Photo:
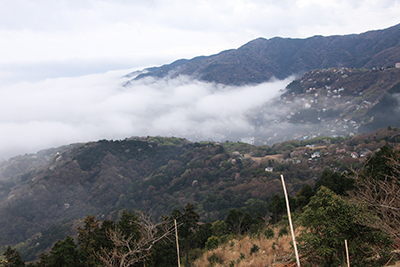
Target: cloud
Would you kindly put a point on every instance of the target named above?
(54, 112)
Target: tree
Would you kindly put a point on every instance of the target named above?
(378, 193)
(238, 222)
(304, 196)
(164, 253)
(258, 224)
(334, 181)
(254, 206)
(87, 240)
(188, 225)
(219, 228)
(380, 165)
(129, 225)
(212, 242)
(203, 233)
(64, 253)
(13, 258)
(329, 220)
(43, 262)
(129, 249)
(278, 207)
(102, 239)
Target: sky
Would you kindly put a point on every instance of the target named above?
(62, 62)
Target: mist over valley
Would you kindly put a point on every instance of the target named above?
(61, 111)
(233, 95)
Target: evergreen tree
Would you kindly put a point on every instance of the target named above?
(334, 181)
(258, 224)
(129, 225)
(277, 207)
(238, 222)
(203, 233)
(64, 254)
(164, 254)
(379, 166)
(329, 220)
(13, 258)
(188, 221)
(102, 240)
(87, 240)
(304, 196)
(219, 228)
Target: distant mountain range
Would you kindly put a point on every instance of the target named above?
(261, 59)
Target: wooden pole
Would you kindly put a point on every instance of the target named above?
(290, 221)
(177, 244)
(347, 253)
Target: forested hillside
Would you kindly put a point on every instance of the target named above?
(357, 206)
(159, 175)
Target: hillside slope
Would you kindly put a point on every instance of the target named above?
(158, 175)
(328, 102)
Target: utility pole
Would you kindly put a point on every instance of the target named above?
(177, 243)
(290, 222)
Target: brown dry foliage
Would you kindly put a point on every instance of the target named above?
(276, 251)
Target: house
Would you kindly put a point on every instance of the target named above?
(316, 154)
(269, 169)
(397, 65)
(354, 155)
(341, 151)
(365, 152)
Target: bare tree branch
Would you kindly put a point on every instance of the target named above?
(381, 198)
(126, 251)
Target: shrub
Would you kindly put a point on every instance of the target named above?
(269, 233)
(213, 242)
(213, 259)
(254, 249)
(283, 231)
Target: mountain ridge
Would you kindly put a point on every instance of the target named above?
(261, 59)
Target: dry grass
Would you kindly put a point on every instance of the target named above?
(272, 252)
(277, 158)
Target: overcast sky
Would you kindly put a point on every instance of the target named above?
(51, 49)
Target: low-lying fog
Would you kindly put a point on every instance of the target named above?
(61, 111)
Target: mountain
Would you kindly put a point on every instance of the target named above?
(261, 59)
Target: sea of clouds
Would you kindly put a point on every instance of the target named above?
(60, 111)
